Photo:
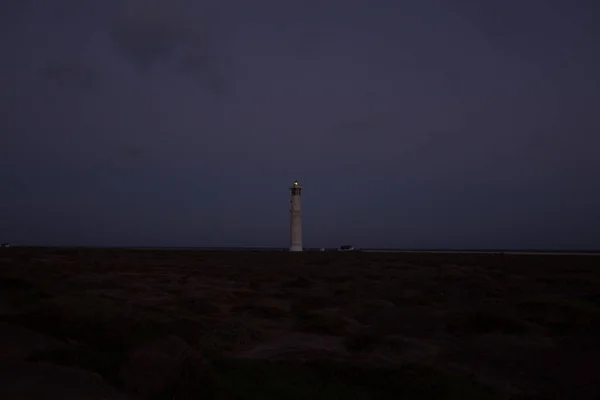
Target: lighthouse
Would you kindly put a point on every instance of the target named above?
(296, 218)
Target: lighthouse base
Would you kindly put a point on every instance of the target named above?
(296, 247)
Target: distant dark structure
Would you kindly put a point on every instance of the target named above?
(296, 218)
(346, 248)
(5, 245)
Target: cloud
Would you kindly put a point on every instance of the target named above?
(152, 32)
(11, 12)
(149, 32)
(553, 28)
(72, 76)
(134, 152)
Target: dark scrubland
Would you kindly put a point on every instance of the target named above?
(278, 325)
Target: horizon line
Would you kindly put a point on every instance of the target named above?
(311, 249)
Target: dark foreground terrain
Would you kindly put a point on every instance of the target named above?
(277, 325)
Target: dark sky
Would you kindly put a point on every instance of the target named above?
(411, 124)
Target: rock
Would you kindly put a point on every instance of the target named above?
(299, 346)
(21, 380)
(398, 350)
(5, 308)
(18, 343)
(160, 366)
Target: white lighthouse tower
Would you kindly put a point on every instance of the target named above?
(296, 218)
